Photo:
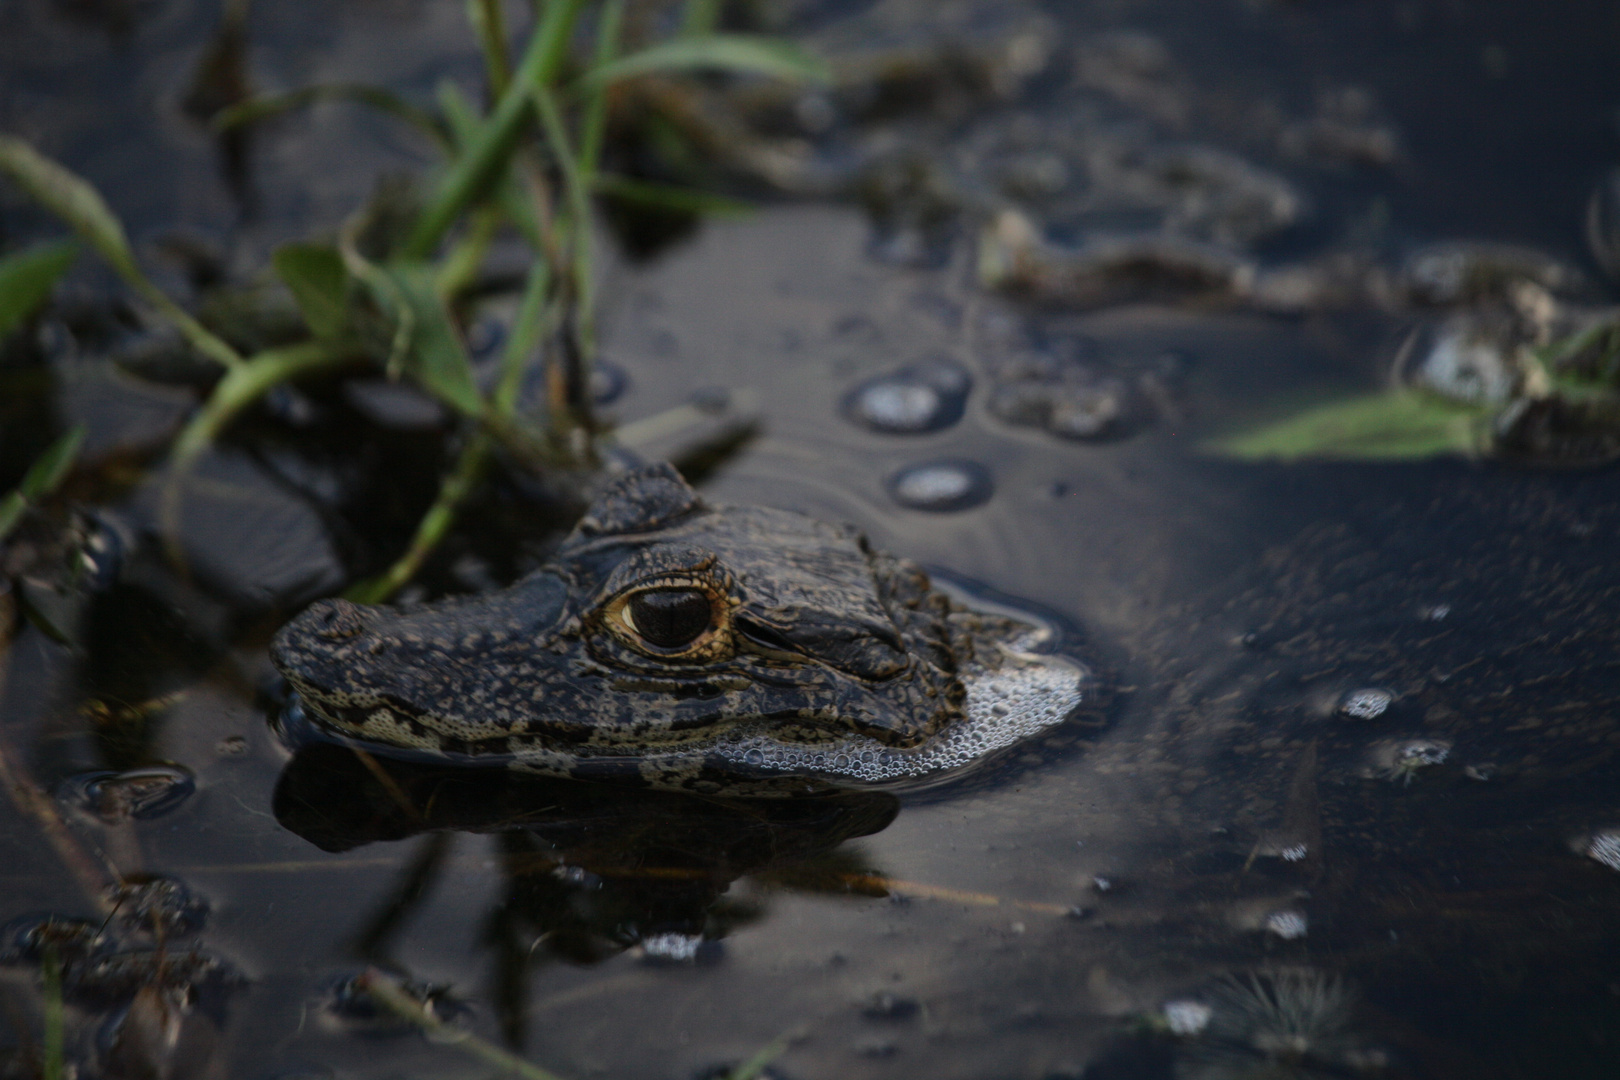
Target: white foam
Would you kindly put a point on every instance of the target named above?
(1028, 694)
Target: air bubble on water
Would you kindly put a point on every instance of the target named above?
(1366, 704)
(1287, 925)
(942, 486)
(919, 398)
(607, 383)
(1186, 1017)
(890, 406)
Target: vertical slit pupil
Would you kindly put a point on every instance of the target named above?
(670, 618)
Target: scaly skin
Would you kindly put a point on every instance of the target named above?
(812, 636)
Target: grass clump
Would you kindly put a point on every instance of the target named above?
(394, 289)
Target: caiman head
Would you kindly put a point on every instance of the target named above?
(661, 621)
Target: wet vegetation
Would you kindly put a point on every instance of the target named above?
(1135, 313)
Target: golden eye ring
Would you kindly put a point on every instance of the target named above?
(677, 618)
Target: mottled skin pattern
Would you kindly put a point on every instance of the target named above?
(811, 632)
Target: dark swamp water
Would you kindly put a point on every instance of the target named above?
(1236, 866)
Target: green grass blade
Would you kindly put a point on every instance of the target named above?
(27, 278)
(460, 114)
(265, 106)
(54, 1067)
(741, 53)
(314, 274)
(76, 202)
(489, 24)
(463, 121)
(578, 194)
(1397, 425)
(243, 386)
(489, 150)
(754, 1066)
(594, 129)
(12, 508)
(44, 476)
(527, 330)
(48, 471)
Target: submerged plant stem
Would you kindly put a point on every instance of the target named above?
(434, 526)
(35, 803)
(401, 1004)
(54, 1036)
(490, 24)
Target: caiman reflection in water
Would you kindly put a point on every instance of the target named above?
(590, 869)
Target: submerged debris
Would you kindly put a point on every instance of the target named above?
(135, 793)
(1015, 258)
(347, 1004)
(1284, 1023)
(1298, 835)
(161, 906)
(26, 940)
(1467, 272)
(1404, 759)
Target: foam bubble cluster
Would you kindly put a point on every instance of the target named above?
(1025, 695)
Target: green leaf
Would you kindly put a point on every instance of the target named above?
(44, 476)
(741, 53)
(27, 277)
(314, 274)
(255, 109)
(435, 355)
(1397, 425)
(73, 200)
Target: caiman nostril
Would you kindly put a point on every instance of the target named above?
(338, 620)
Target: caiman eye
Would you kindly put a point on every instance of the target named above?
(669, 618)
